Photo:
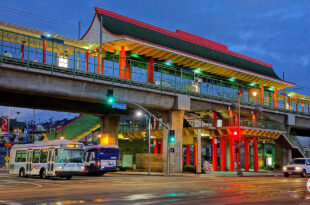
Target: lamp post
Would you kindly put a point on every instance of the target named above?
(139, 114)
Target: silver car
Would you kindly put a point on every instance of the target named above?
(298, 166)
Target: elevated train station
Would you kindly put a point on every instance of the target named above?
(203, 90)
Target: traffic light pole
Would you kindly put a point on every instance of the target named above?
(149, 128)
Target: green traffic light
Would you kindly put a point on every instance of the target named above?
(172, 139)
(110, 100)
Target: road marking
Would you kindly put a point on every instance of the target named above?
(35, 184)
(9, 203)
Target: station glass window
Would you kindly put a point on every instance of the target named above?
(36, 156)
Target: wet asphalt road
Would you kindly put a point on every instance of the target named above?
(144, 190)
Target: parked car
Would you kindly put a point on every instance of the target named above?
(298, 166)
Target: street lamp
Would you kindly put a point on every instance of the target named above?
(139, 113)
(62, 137)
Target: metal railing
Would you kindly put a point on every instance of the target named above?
(296, 143)
(27, 51)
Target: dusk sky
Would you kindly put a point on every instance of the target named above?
(274, 31)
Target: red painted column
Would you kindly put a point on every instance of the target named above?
(262, 95)
(297, 105)
(254, 120)
(161, 146)
(86, 61)
(98, 63)
(214, 120)
(302, 106)
(223, 154)
(231, 154)
(246, 155)
(128, 71)
(214, 154)
(122, 63)
(156, 146)
(22, 55)
(255, 154)
(44, 51)
(289, 103)
(86, 139)
(275, 98)
(231, 116)
(188, 154)
(150, 71)
(195, 157)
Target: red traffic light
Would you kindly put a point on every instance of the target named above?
(8, 145)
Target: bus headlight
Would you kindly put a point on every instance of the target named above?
(82, 168)
(298, 169)
(59, 168)
(284, 169)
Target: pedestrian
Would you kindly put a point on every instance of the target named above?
(207, 167)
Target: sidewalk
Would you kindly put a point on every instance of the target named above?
(215, 174)
(4, 170)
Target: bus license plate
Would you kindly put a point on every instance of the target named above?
(108, 163)
(290, 172)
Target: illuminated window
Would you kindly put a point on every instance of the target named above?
(63, 61)
(269, 161)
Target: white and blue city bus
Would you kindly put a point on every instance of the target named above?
(100, 159)
(55, 158)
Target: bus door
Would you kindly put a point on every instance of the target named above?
(28, 161)
(50, 162)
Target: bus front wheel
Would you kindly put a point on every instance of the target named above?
(43, 174)
(68, 177)
(22, 172)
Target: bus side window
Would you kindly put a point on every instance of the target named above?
(36, 156)
(23, 156)
(18, 156)
(43, 157)
(87, 155)
(29, 156)
(92, 158)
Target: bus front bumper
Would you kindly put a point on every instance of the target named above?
(69, 173)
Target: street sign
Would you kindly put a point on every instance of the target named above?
(119, 106)
(7, 158)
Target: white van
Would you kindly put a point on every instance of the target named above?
(298, 166)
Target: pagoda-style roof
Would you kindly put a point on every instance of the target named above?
(217, 58)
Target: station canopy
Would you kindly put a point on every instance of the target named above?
(180, 48)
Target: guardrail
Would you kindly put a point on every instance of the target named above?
(27, 51)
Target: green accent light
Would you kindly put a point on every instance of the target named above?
(232, 79)
(271, 88)
(197, 70)
(135, 55)
(252, 84)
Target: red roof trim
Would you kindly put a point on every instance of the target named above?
(206, 43)
(207, 59)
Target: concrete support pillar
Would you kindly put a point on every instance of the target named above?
(255, 154)
(86, 61)
(188, 155)
(223, 154)
(232, 154)
(198, 152)
(109, 130)
(246, 155)
(150, 71)
(275, 98)
(122, 63)
(44, 51)
(214, 153)
(289, 155)
(155, 146)
(175, 121)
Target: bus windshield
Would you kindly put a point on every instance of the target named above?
(69, 155)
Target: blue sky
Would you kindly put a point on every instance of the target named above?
(275, 31)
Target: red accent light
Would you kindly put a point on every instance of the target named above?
(98, 163)
(235, 133)
(8, 145)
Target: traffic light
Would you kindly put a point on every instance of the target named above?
(110, 98)
(171, 136)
